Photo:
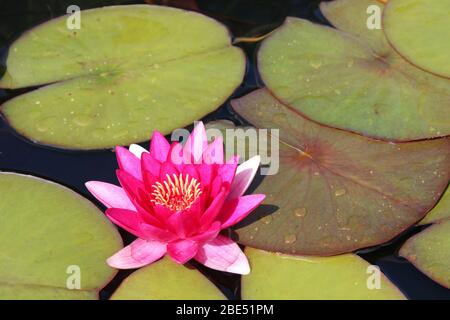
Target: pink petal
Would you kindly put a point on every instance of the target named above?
(216, 186)
(183, 250)
(214, 152)
(244, 177)
(137, 254)
(182, 224)
(167, 168)
(197, 208)
(148, 216)
(176, 155)
(141, 201)
(206, 174)
(223, 254)
(228, 170)
(196, 144)
(126, 219)
(128, 162)
(162, 212)
(110, 195)
(149, 180)
(237, 209)
(214, 208)
(131, 221)
(154, 233)
(159, 147)
(137, 150)
(150, 164)
(209, 234)
(190, 170)
(132, 186)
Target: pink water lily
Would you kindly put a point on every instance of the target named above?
(177, 199)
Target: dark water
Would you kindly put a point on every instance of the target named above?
(73, 169)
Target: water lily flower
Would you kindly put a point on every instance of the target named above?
(177, 199)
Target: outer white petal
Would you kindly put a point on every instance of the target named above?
(137, 150)
(245, 173)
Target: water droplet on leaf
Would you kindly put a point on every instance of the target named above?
(300, 212)
(340, 192)
(316, 64)
(291, 238)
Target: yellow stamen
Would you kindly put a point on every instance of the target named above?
(177, 192)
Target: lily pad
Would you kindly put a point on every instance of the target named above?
(351, 17)
(353, 86)
(311, 278)
(429, 251)
(336, 191)
(128, 71)
(420, 31)
(166, 280)
(48, 236)
(441, 211)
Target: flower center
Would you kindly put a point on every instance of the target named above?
(177, 192)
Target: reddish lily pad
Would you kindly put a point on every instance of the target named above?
(353, 85)
(51, 237)
(440, 212)
(429, 251)
(326, 278)
(166, 280)
(420, 31)
(336, 191)
(128, 71)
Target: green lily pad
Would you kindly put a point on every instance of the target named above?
(429, 251)
(352, 86)
(420, 31)
(39, 292)
(326, 278)
(166, 280)
(48, 236)
(351, 16)
(440, 212)
(336, 191)
(128, 71)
